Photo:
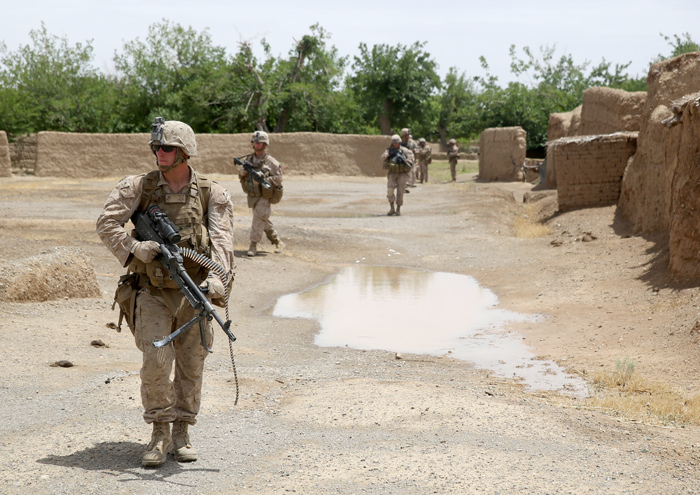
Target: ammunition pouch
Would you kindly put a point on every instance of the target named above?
(276, 196)
(125, 298)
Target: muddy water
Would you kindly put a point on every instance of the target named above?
(435, 313)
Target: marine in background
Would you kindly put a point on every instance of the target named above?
(453, 157)
(423, 154)
(398, 162)
(260, 199)
(408, 142)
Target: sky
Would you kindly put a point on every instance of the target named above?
(456, 33)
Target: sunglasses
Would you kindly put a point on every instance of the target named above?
(166, 149)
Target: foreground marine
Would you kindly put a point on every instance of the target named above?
(202, 211)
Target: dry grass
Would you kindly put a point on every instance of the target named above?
(527, 225)
(626, 394)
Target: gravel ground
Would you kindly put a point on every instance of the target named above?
(316, 419)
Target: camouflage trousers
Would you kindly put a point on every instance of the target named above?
(423, 172)
(411, 176)
(453, 169)
(261, 219)
(396, 181)
(158, 314)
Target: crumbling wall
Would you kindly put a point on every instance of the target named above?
(55, 274)
(304, 153)
(607, 110)
(646, 195)
(683, 155)
(501, 153)
(23, 154)
(564, 124)
(5, 162)
(590, 168)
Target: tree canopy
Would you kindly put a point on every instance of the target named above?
(179, 73)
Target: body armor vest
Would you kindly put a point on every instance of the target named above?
(188, 211)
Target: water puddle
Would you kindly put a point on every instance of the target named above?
(435, 313)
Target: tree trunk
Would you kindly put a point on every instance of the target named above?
(385, 118)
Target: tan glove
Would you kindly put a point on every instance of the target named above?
(215, 290)
(146, 251)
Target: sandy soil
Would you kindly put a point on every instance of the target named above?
(338, 420)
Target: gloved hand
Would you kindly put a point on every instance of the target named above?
(215, 289)
(146, 251)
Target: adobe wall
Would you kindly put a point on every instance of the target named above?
(607, 110)
(590, 168)
(564, 124)
(107, 155)
(646, 196)
(683, 156)
(501, 152)
(5, 162)
(23, 154)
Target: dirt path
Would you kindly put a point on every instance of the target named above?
(338, 420)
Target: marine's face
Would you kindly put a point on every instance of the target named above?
(258, 147)
(396, 145)
(166, 159)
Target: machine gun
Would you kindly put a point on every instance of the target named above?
(154, 225)
(256, 175)
(397, 156)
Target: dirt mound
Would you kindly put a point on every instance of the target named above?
(55, 274)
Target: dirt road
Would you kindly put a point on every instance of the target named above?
(337, 420)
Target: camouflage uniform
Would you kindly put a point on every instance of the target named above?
(424, 158)
(408, 143)
(203, 213)
(397, 176)
(160, 310)
(261, 199)
(452, 156)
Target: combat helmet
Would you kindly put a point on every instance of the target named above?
(405, 131)
(451, 141)
(395, 138)
(421, 141)
(260, 137)
(173, 133)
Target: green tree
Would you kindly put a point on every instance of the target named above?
(307, 85)
(679, 45)
(176, 73)
(51, 85)
(551, 85)
(394, 83)
(457, 92)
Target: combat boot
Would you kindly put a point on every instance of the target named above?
(392, 211)
(279, 246)
(182, 448)
(161, 441)
(398, 211)
(252, 249)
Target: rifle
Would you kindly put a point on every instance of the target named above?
(397, 156)
(256, 175)
(154, 225)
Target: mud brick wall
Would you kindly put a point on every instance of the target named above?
(23, 154)
(77, 155)
(590, 170)
(501, 152)
(5, 162)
